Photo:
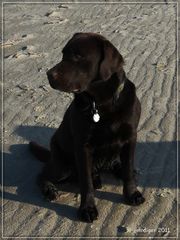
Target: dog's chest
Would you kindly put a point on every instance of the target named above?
(110, 132)
(107, 139)
(103, 134)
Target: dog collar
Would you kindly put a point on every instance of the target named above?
(96, 116)
(120, 88)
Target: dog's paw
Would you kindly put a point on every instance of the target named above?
(88, 214)
(135, 199)
(50, 192)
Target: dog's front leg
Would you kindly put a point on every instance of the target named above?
(132, 195)
(87, 211)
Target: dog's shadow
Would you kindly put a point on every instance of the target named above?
(20, 171)
(21, 168)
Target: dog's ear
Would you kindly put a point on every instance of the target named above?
(112, 61)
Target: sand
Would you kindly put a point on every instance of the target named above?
(34, 35)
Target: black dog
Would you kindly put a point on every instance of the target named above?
(99, 125)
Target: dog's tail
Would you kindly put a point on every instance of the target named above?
(41, 153)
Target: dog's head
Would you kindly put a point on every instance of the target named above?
(87, 58)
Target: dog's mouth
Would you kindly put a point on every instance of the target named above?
(65, 89)
(65, 86)
(76, 90)
(69, 90)
(55, 85)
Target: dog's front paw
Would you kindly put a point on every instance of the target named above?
(88, 214)
(135, 198)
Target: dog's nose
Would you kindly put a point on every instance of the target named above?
(50, 74)
(52, 77)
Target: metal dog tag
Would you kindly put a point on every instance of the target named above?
(95, 113)
(96, 117)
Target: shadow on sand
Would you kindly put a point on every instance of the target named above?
(156, 163)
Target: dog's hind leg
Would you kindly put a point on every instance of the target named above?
(55, 171)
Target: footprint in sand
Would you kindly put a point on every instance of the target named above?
(26, 51)
(55, 15)
(17, 39)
